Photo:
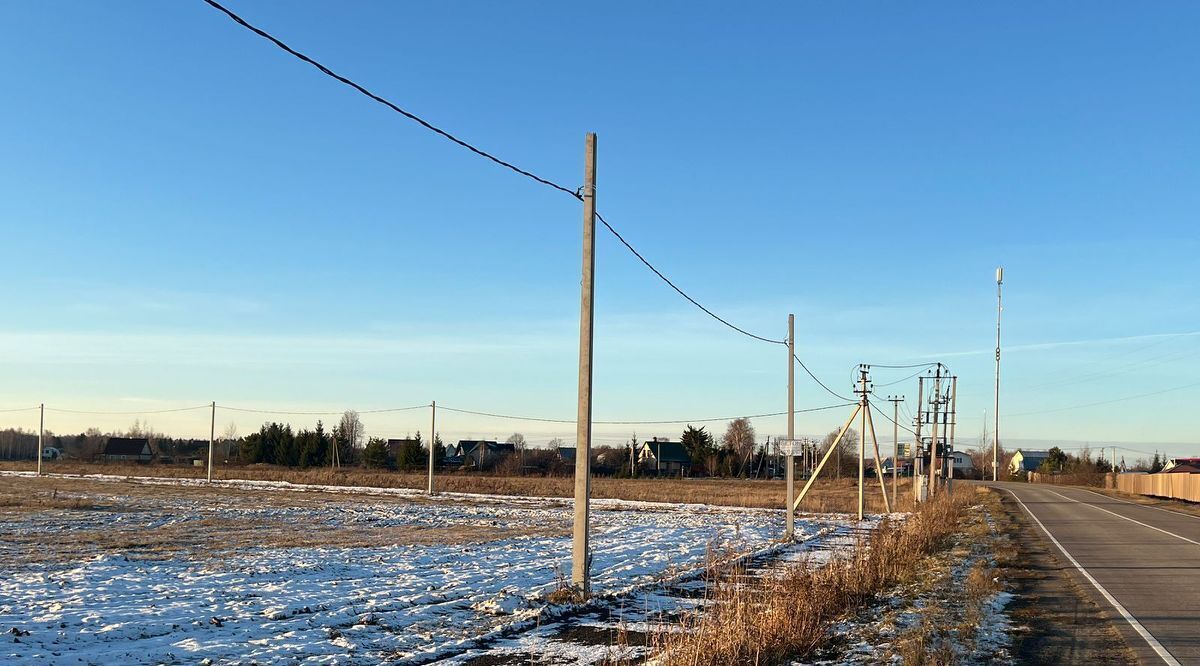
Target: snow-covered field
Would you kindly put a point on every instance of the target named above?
(392, 602)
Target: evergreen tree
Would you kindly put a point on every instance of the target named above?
(699, 444)
(412, 456)
(376, 454)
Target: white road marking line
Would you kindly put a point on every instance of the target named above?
(1137, 626)
(1100, 508)
(1147, 506)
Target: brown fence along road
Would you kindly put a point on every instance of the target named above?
(1179, 486)
(1174, 486)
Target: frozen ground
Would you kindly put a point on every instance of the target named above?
(407, 600)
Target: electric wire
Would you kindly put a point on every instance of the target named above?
(411, 116)
(478, 151)
(19, 409)
(821, 383)
(884, 415)
(680, 291)
(659, 422)
(127, 413)
(1104, 402)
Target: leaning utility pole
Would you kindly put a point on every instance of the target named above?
(432, 443)
(996, 405)
(212, 438)
(789, 529)
(41, 435)
(580, 549)
(895, 400)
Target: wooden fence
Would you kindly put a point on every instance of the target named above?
(1175, 486)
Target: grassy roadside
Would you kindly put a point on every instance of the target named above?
(828, 495)
(777, 619)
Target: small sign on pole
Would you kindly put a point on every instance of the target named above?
(791, 447)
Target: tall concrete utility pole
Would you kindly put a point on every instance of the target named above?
(791, 429)
(952, 416)
(919, 444)
(432, 443)
(996, 405)
(862, 440)
(580, 548)
(934, 459)
(212, 438)
(895, 400)
(41, 436)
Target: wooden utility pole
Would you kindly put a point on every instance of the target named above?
(580, 548)
(212, 438)
(432, 443)
(789, 529)
(41, 436)
(895, 400)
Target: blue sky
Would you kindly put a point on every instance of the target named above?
(191, 215)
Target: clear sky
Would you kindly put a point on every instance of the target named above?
(190, 215)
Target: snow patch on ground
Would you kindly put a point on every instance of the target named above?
(310, 605)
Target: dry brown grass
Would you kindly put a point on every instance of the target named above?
(774, 620)
(827, 496)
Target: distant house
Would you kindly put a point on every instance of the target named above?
(1182, 466)
(664, 457)
(963, 463)
(51, 453)
(566, 454)
(127, 449)
(394, 445)
(906, 466)
(1027, 461)
(477, 452)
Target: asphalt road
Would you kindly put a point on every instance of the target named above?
(1142, 561)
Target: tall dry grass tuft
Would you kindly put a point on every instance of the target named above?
(776, 619)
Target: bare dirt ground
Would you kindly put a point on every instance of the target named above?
(95, 517)
(1055, 621)
(827, 496)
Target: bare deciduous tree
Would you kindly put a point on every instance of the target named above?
(351, 428)
(739, 438)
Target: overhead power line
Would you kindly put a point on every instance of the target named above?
(20, 409)
(478, 151)
(319, 413)
(680, 291)
(1106, 402)
(884, 415)
(661, 422)
(128, 412)
(821, 383)
(411, 116)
